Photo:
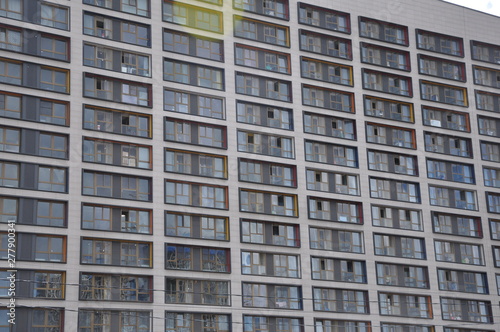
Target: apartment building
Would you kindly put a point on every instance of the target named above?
(249, 165)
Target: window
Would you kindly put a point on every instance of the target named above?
(448, 94)
(488, 126)
(384, 31)
(388, 109)
(490, 151)
(447, 144)
(52, 179)
(113, 287)
(196, 194)
(101, 319)
(466, 310)
(272, 145)
(191, 291)
(116, 29)
(193, 74)
(442, 68)
(487, 101)
(10, 39)
(270, 264)
(41, 319)
(402, 275)
(267, 173)
(116, 186)
(54, 16)
(405, 305)
(196, 226)
(208, 259)
(462, 281)
(399, 246)
(335, 210)
(262, 59)
(190, 322)
(458, 252)
(274, 8)
(111, 89)
(485, 52)
(450, 171)
(329, 99)
(452, 197)
(276, 203)
(264, 87)
(198, 133)
(8, 209)
(272, 296)
(192, 16)
(12, 9)
(331, 154)
(11, 72)
(436, 42)
(486, 76)
(447, 119)
(264, 115)
(193, 103)
(116, 153)
(35, 284)
(333, 46)
(50, 213)
(118, 122)
(326, 71)
(388, 83)
(137, 7)
(385, 57)
(348, 325)
(493, 201)
(266, 323)
(389, 135)
(116, 218)
(193, 45)
(336, 240)
(340, 300)
(329, 126)
(261, 31)
(394, 190)
(456, 224)
(201, 164)
(112, 252)
(332, 182)
(262, 232)
(10, 105)
(331, 269)
(107, 58)
(400, 218)
(324, 18)
(10, 139)
(392, 162)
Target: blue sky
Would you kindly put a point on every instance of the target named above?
(488, 6)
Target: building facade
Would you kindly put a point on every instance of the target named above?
(249, 165)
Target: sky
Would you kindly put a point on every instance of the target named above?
(488, 6)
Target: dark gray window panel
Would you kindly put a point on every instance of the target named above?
(107, 27)
(436, 42)
(463, 281)
(456, 224)
(335, 269)
(31, 108)
(399, 246)
(193, 45)
(265, 172)
(485, 52)
(275, 8)
(446, 119)
(325, 44)
(31, 211)
(447, 144)
(139, 7)
(402, 275)
(186, 102)
(392, 162)
(35, 43)
(385, 57)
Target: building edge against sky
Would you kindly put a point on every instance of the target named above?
(250, 165)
